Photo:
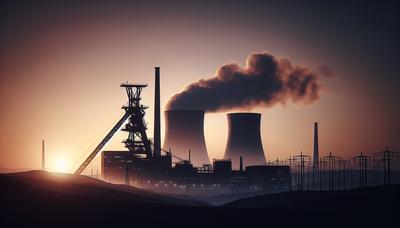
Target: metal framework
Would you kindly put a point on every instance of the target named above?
(341, 174)
(385, 159)
(338, 174)
(330, 163)
(362, 162)
(137, 141)
(276, 162)
(290, 160)
(101, 144)
(302, 164)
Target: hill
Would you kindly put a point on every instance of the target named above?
(41, 199)
(374, 206)
(40, 182)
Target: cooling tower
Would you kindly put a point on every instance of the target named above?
(183, 131)
(244, 139)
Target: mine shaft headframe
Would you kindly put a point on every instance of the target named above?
(133, 108)
(137, 141)
(134, 95)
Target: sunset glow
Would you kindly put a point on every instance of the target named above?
(193, 113)
(60, 165)
(70, 64)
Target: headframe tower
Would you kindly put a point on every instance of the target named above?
(137, 141)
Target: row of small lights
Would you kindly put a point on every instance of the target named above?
(193, 185)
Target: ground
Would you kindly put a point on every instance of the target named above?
(39, 199)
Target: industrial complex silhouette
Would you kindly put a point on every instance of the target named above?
(182, 165)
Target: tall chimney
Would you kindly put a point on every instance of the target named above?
(316, 155)
(241, 164)
(244, 139)
(43, 157)
(157, 125)
(184, 131)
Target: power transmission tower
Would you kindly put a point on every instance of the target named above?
(331, 162)
(302, 163)
(362, 162)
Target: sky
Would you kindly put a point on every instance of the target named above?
(61, 64)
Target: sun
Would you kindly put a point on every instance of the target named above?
(61, 165)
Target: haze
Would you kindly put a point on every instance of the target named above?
(61, 64)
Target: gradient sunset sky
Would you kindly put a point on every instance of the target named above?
(61, 64)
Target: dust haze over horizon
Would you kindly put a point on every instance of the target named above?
(61, 63)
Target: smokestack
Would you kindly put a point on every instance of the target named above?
(244, 138)
(157, 125)
(316, 154)
(241, 164)
(185, 131)
(43, 157)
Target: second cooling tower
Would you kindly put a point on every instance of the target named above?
(184, 131)
(244, 139)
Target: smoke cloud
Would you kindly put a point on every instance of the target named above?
(265, 81)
